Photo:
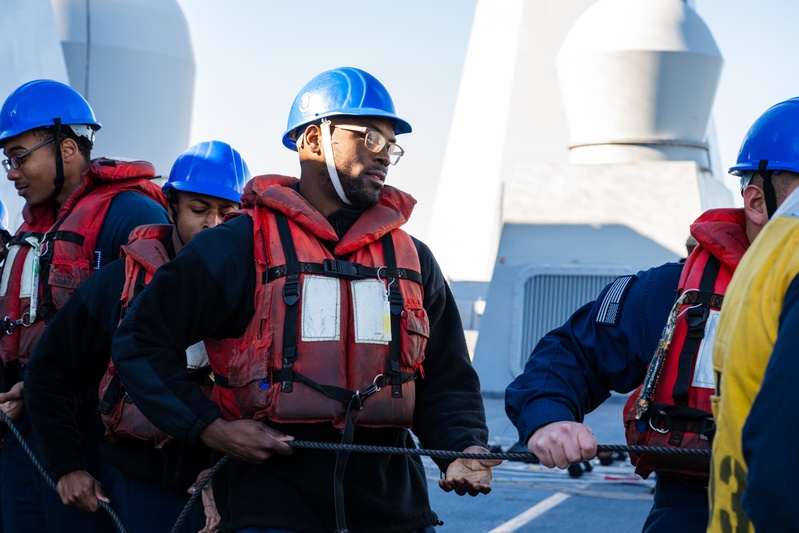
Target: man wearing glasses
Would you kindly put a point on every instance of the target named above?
(331, 324)
(77, 214)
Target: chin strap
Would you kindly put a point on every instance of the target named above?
(327, 146)
(59, 165)
(768, 188)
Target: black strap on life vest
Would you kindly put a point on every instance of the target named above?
(396, 304)
(19, 238)
(343, 269)
(291, 297)
(8, 324)
(671, 418)
(696, 317)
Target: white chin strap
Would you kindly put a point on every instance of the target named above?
(327, 146)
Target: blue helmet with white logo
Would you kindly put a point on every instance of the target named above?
(39, 103)
(213, 168)
(341, 91)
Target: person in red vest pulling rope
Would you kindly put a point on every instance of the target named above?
(329, 324)
(639, 334)
(149, 473)
(78, 213)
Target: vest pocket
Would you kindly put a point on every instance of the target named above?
(248, 373)
(65, 277)
(415, 332)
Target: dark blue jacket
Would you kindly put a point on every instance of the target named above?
(605, 346)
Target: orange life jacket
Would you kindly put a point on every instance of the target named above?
(672, 407)
(318, 342)
(67, 241)
(144, 254)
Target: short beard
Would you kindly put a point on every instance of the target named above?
(359, 196)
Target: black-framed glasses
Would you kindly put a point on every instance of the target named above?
(375, 142)
(16, 160)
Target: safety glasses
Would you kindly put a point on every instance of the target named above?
(16, 160)
(375, 142)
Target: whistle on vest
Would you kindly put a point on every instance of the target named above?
(386, 316)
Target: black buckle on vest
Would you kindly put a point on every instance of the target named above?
(291, 290)
(341, 269)
(287, 375)
(396, 302)
(695, 318)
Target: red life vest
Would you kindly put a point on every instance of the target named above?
(68, 240)
(144, 254)
(318, 340)
(672, 407)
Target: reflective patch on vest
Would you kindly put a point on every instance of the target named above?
(196, 356)
(321, 309)
(703, 370)
(27, 271)
(609, 312)
(368, 301)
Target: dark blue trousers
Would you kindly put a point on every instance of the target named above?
(145, 508)
(680, 505)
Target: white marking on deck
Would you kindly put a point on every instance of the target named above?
(531, 514)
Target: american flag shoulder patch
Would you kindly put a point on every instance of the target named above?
(609, 312)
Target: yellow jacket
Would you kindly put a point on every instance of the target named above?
(745, 337)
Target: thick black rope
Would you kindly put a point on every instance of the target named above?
(198, 492)
(444, 454)
(509, 456)
(46, 476)
(357, 448)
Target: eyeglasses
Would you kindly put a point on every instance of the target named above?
(375, 142)
(16, 160)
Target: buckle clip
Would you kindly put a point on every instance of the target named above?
(341, 269)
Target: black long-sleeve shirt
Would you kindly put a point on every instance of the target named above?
(61, 391)
(207, 291)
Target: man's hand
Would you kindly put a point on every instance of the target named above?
(79, 489)
(212, 517)
(472, 476)
(11, 401)
(562, 443)
(246, 440)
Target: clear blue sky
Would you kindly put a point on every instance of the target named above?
(253, 56)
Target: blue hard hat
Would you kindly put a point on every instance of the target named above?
(773, 138)
(37, 103)
(213, 168)
(341, 91)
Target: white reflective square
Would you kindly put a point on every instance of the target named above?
(369, 308)
(25, 287)
(703, 370)
(321, 309)
(196, 356)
